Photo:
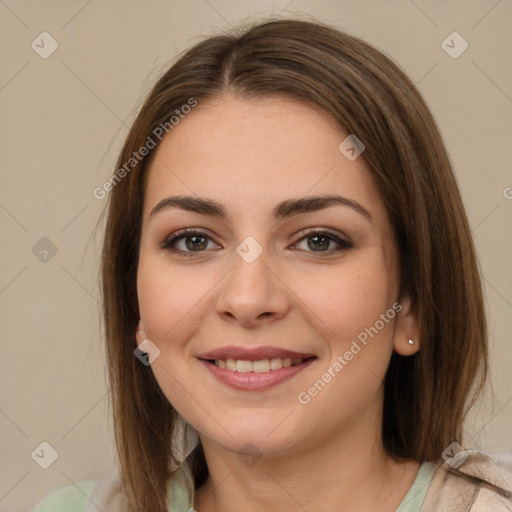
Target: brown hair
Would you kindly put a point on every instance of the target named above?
(426, 395)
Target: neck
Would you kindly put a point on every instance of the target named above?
(351, 470)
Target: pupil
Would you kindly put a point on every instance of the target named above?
(195, 245)
(322, 246)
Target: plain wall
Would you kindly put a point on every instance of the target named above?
(63, 120)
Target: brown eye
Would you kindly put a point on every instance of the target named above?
(187, 242)
(195, 243)
(324, 241)
(319, 242)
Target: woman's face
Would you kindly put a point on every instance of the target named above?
(267, 277)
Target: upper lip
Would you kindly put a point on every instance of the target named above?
(253, 354)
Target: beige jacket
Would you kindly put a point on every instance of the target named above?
(481, 483)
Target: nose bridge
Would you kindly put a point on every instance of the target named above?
(249, 275)
(251, 289)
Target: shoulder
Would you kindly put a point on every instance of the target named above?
(104, 493)
(99, 493)
(66, 499)
(471, 481)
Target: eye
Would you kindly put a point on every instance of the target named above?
(190, 241)
(321, 241)
(187, 241)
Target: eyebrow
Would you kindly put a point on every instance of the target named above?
(284, 209)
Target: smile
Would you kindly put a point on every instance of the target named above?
(254, 369)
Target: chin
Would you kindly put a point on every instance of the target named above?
(266, 434)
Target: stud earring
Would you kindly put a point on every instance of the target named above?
(411, 342)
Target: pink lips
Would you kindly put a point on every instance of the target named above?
(249, 381)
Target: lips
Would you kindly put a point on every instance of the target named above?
(254, 369)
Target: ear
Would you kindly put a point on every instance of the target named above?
(140, 335)
(407, 328)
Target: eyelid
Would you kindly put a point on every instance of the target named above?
(323, 231)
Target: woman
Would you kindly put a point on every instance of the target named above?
(288, 273)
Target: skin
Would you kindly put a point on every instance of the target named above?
(249, 155)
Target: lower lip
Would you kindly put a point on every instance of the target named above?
(255, 381)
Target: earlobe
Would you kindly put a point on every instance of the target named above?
(140, 334)
(407, 335)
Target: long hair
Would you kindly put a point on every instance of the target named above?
(427, 395)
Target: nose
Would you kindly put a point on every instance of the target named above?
(252, 294)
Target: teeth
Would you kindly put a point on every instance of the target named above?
(243, 366)
(261, 366)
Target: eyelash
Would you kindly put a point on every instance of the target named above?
(168, 243)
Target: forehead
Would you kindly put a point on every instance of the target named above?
(250, 154)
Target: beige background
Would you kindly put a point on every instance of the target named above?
(63, 120)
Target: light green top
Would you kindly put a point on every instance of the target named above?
(414, 498)
(76, 498)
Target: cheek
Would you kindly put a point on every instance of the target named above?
(345, 299)
(346, 305)
(170, 304)
(170, 300)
